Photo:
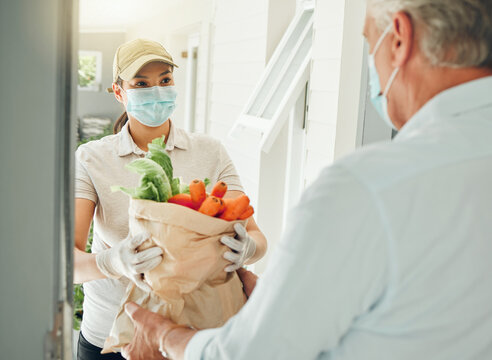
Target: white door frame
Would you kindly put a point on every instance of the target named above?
(296, 153)
(191, 82)
(352, 93)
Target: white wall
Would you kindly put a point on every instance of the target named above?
(171, 27)
(244, 36)
(100, 103)
(238, 57)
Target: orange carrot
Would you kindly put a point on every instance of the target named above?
(223, 205)
(198, 193)
(219, 189)
(182, 199)
(235, 208)
(247, 213)
(210, 206)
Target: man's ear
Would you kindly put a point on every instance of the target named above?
(117, 93)
(403, 38)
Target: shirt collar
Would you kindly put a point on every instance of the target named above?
(450, 103)
(177, 138)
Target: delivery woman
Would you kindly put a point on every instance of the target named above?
(143, 82)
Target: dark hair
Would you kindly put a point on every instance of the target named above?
(121, 121)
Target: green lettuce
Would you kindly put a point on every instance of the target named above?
(157, 153)
(184, 189)
(157, 182)
(154, 183)
(146, 191)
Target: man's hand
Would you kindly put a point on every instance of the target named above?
(248, 279)
(149, 328)
(151, 336)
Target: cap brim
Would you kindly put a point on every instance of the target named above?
(132, 70)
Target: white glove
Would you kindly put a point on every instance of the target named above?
(243, 246)
(124, 260)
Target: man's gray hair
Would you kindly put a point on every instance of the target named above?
(456, 33)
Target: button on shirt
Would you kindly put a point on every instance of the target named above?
(101, 164)
(389, 253)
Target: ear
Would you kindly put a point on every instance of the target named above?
(118, 93)
(403, 37)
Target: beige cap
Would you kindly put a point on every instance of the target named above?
(133, 55)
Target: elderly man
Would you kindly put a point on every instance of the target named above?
(389, 254)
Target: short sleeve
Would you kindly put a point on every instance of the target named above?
(84, 187)
(227, 171)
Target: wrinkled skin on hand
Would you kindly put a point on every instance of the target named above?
(149, 329)
(152, 328)
(248, 279)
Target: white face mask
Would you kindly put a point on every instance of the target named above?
(151, 106)
(380, 101)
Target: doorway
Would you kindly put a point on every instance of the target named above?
(191, 82)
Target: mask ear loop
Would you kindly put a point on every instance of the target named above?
(395, 72)
(390, 81)
(381, 38)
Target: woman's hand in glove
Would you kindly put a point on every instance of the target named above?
(124, 260)
(243, 247)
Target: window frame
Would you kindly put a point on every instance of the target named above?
(96, 85)
(261, 132)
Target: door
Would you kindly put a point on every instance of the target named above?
(191, 82)
(36, 150)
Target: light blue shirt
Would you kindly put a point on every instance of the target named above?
(388, 256)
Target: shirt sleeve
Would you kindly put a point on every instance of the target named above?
(328, 270)
(84, 187)
(227, 171)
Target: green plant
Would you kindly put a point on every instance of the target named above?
(108, 130)
(87, 70)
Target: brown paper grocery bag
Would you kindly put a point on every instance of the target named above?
(190, 285)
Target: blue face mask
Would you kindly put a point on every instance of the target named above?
(380, 101)
(151, 106)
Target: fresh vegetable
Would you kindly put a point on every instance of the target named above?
(183, 188)
(198, 193)
(182, 199)
(235, 208)
(219, 189)
(210, 206)
(154, 184)
(175, 186)
(247, 213)
(222, 207)
(158, 154)
(158, 184)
